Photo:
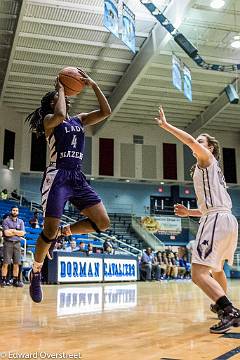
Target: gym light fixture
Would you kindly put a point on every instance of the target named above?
(217, 4)
(236, 42)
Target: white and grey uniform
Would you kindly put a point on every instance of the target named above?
(217, 235)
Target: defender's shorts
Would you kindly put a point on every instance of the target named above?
(62, 185)
(216, 240)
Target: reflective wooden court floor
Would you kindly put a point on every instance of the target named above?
(132, 321)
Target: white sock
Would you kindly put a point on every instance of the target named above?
(36, 266)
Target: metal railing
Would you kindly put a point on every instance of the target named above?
(146, 236)
(112, 238)
(24, 248)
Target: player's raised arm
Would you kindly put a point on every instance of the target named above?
(60, 110)
(203, 155)
(103, 112)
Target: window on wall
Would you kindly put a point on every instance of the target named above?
(9, 146)
(229, 165)
(138, 139)
(106, 156)
(38, 153)
(170, 161)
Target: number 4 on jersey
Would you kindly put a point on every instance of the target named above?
(74, 141)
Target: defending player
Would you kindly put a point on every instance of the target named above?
(218, 232)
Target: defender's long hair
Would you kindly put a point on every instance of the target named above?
(35, 119)
(212, 141)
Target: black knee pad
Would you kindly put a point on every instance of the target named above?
(46, 239)
(94, 226)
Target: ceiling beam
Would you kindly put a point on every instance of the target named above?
(99, 10)
(51, 78)
(169, 79)
(59, 67)
(71, 55)
(74, 41)
(74, 25)
(156, 40)
(161, 89)
(214, 109)
(153, 98)
(43, 87)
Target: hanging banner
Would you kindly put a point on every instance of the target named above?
(110, 18)
(169, 225)
(128, 27)
(176, 72)
(187, 81)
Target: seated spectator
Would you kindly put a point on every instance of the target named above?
(99, 251)
(4, 194)
(107, 247)
(82, 247)
(183, 262)
(181, 269)
(73, 246)
(156, 270)
(146, 265)
(173, 270)
(162, 265)
(166, 262)
(89, 249)
(34, 221)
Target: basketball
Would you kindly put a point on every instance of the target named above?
(71, 80)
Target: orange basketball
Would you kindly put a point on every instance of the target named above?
(71, 80)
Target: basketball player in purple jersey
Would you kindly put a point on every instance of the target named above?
(63, 179)
(218, 231)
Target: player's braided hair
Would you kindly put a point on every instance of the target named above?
(35, 119)
(212, 141)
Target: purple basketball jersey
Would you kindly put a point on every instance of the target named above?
(66, 144)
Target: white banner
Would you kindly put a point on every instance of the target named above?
(128, 27)
(187, 81)
(120, 269)
(79, 269)
(176, 72)
(110, 18)
(162, 224)
(169, 225)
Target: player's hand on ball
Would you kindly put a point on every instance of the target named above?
(58, 85)
(161, 119)
(180, 210)
(85, 78)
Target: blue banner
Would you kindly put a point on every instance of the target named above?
(110, 18)
(187, 81)
(128, 28)
(176, 72)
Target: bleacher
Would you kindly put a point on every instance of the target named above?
(31, 235)
(120, 226)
